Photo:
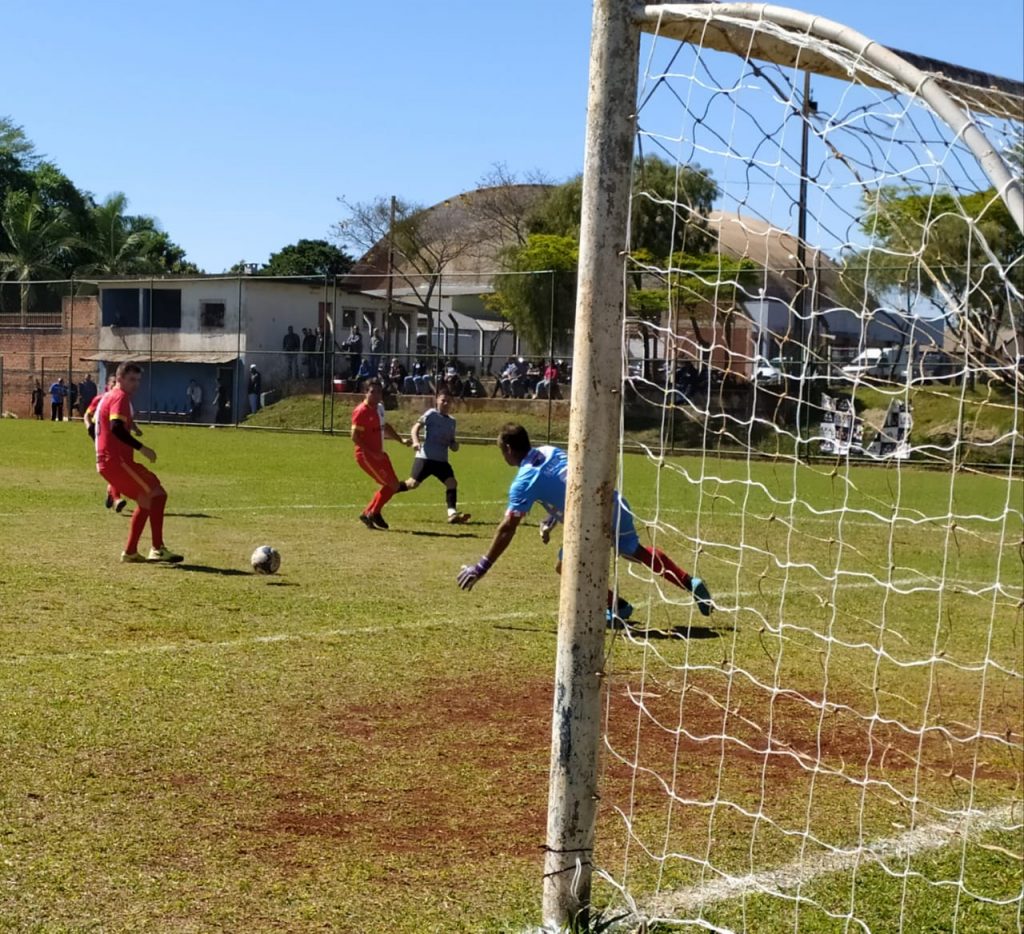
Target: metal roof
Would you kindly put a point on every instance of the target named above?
(157, 356)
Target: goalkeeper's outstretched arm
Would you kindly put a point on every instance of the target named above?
(503, 536)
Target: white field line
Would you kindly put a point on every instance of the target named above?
(905, 522)
(270, 639)
(887, 852)
(274, 638)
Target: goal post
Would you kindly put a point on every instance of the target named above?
(593, 448)
(840, 716)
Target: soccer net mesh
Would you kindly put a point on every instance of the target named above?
(836, 337)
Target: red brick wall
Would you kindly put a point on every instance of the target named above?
(46, 353)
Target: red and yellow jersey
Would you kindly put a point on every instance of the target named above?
(90, 412)
(370, 419)
(114, 406)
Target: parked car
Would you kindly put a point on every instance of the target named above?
(767, 373)
(864, 363)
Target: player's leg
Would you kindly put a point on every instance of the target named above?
(618, 608)
(628, 545)
(143, 486)
(379, 466)
(451, 498)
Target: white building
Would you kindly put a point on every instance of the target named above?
(212, 329)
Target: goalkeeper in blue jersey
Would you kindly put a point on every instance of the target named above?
(433, 436)
(541, 478)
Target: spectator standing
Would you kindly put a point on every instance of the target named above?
(318, 358)
(194, 400)
(376, 349)
(72, 399)
(290, 345)
(222, 404)
(253, 389)
(37, 401)
(353, 346)
(86, 392)
(308, 351)
(58, 392)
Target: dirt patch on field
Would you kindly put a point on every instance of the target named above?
(460, 770)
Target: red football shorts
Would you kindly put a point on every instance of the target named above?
(378, 466)
(128, 478)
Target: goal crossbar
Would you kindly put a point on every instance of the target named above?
(703, 24)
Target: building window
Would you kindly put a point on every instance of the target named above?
(120, 308)
(165, 305)
(211, 314)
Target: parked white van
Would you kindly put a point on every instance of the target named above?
(864, 362)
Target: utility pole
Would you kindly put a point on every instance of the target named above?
(391, 277)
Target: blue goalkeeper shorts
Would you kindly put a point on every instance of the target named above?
(627, 541)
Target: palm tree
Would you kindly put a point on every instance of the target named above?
(117, 244)
(38, 239)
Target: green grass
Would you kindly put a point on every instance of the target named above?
(356, 745)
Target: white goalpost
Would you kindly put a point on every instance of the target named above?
(799, 352)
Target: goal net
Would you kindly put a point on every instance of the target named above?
(822, 347)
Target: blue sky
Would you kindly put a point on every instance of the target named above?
(239, 125)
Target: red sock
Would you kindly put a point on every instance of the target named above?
(383, 495)
(138, 523)
(156, 520)
(374, 505)
(662, 564)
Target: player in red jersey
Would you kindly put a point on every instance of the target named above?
(369, 430)
(115, 461)
(89, 417)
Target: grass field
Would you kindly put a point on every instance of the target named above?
(356, 745)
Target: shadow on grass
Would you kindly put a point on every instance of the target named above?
(128, 513)
(676, 632)
(207, 569)
(425, 534)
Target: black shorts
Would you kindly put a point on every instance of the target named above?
(423, 468)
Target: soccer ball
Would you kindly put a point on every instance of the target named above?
(265, 560)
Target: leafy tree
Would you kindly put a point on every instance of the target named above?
(939, 245)
(115, 246)
(120, 244)
(710, 281)
(669, 210)
(308, 258)
(425, 240)
(541, 308)
(38, 241)
(670, 207)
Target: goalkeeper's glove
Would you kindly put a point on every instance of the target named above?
(471, 573)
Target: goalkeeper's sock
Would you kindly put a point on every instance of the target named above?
(662, 564)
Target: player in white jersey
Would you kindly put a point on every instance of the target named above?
(541, 478)
(433, 436)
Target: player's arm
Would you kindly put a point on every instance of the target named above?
(389, 432)
(119, 430)
(454, 443)
(415, 433)
(550, 521)
(503, 536)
